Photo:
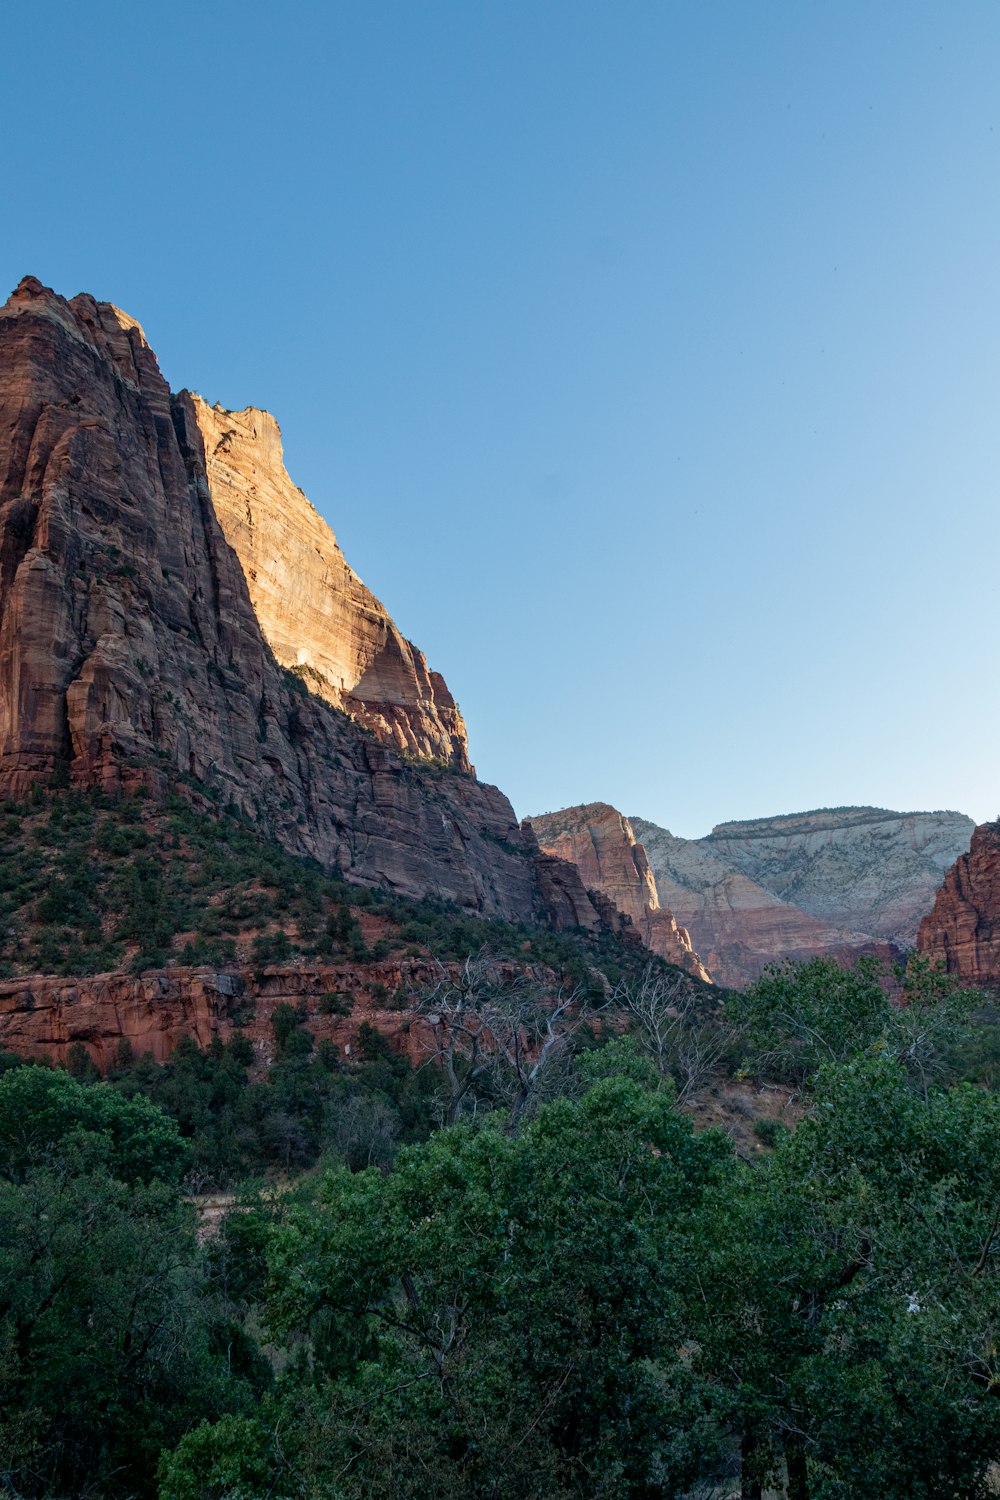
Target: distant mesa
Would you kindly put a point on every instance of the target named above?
(840, 882)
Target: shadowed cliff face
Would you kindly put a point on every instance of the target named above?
(962, 931)
(130, 651)
(599, 841)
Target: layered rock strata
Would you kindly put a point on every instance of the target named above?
(130, 651)
(838, 883)
(42, 1017)
(317, 616)
(962, 930)
(854, 867)
(737, 925)
(600, 842)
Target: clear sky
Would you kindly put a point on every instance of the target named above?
(643, 356)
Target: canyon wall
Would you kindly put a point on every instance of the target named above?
(42, 1017)
(962, 931)
(855, 867)
(840, 883)
(130, 653)
(600, 842)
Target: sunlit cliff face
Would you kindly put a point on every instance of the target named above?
(599, 841)
(318, 617)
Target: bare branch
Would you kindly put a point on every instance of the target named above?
(497, 1038)
(671, 1026)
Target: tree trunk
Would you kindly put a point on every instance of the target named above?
(750, 1487)
(795, 1463)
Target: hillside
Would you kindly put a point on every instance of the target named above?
(142, 921)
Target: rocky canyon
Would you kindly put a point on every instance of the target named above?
(840, 882)
(173, 609)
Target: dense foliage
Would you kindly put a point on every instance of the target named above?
(112, 1340)
(310, 1103)
(492, 1317)
(570, 1293)
(609, 1304)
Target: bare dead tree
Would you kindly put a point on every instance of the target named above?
(363, 1130)
(498, 1038)
(669, 1020)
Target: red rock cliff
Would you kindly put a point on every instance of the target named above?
(962, 930)
(130, 651)
(41, 1016)
(599, 841)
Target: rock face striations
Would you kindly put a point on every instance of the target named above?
(738, 926)
(317, 616)
(130, 651)
(43, 1016)
(962, 931)
(599, 841)
(838, 882)
(855, 867)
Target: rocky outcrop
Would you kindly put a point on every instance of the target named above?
(566, 897)
(317, 616)
(42, 1017)
(130, 651)
(839, 883)
(599, 841)
(962, 931)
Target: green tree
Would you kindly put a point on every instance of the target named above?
(45, 1115)
(798, 1017)
(110, 1342)
(496, 1318)
(851, 1285)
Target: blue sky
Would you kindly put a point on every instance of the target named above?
(644, 357)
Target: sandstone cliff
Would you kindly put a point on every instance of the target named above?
(130, 651)
(317, 616)
(835, 882)
(962, 931)
(41, 1017)
(599, 841)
